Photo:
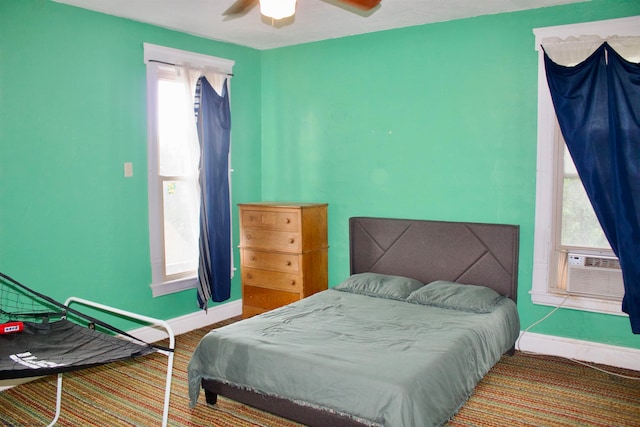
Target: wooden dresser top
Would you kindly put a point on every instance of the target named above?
(282, 204)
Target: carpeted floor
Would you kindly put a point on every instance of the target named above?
(522, 390)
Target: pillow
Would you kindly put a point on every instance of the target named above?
(380, 285)
(456, 296)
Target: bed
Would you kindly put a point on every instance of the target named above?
(428, 309)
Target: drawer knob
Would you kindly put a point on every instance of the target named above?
(249, 276)
(293, 282)
(248, 236)
(252, 258)
(287, 220)
(288, 262)
(291, 240)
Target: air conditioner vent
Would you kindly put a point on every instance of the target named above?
(595, 276)
(602, 262)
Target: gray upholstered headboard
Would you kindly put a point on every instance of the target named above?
(469, 253)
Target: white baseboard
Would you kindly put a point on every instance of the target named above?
(585, 351)
(191, 321)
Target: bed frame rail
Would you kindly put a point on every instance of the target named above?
(307, 415)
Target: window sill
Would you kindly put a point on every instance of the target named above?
(577, 303)
(166, 288)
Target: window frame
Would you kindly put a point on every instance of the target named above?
(155, 57)
(545, 235)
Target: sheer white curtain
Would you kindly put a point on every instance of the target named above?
(178, 163)
(179, 155)
(574, 50)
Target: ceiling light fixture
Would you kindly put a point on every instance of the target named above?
(278, 9)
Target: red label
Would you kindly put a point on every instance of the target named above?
(11, 327)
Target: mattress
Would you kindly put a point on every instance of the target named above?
(383, 361)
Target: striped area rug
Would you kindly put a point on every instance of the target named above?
(521, 390)
(533, 390)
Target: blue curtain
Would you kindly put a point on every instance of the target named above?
(214, 131)
(597, 103)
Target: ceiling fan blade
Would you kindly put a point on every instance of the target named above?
(240, 7)
(362, 4)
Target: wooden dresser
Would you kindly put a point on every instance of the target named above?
(283, 253)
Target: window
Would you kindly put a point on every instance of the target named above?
(585, 263)
(173, 157)
(568, 236)
(579, 228)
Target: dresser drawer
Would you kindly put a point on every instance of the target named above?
(272, 279)
(283, 221)
(273, 240)
(266, 299)
(288, 263)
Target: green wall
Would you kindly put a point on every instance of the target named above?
(430, 122)
(72, 111)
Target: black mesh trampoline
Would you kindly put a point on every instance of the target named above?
(40, 336)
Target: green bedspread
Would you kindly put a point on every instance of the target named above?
(390, 362)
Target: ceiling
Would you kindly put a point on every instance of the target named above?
(314, 19)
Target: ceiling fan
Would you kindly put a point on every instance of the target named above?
(279, 9)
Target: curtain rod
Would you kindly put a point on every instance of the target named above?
(178, 65)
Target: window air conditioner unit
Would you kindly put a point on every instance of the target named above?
(595, 276)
